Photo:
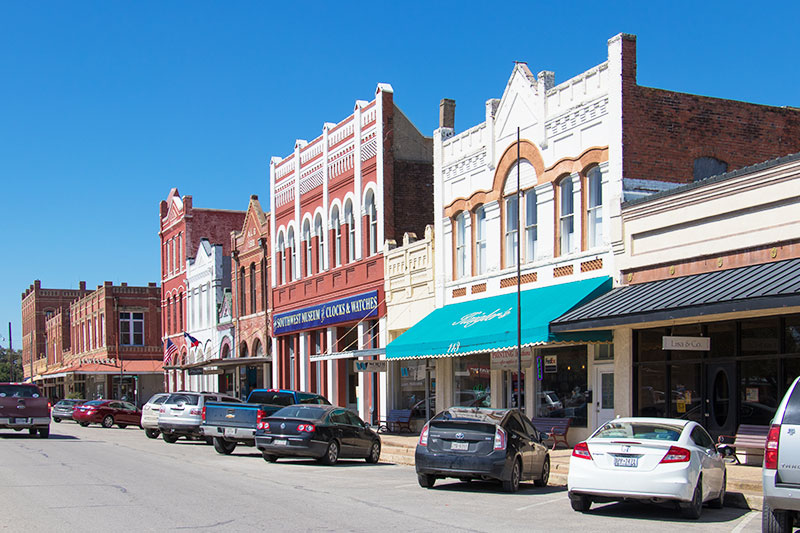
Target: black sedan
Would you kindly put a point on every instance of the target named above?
(481, 443)
(324, 432)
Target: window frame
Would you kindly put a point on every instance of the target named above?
(593, 213)
(460, 257)
(510, 250)
(131, 319)
(561, 218)
(479, 228)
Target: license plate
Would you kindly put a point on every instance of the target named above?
(230, 432)
(20, 421)
(631, 462)
(459, 445)
(280, 442)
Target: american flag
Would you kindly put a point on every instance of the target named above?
(169, 351)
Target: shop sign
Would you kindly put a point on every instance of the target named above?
(470, 319)
(370, 366)
(478, 371)
(195, 371)
(550, 364)
(211, 371)
(507, 359)
(334, 312)
(695, 344)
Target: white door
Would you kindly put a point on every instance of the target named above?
(603, 394)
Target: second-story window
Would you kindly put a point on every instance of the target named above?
(566, 216)
(531, 226)
(372, 223)
(461, 245)
(252, 287)
(131, 328)
(512, 230)
(594, 209)
(292, 266)
(242, 309)
(336, 226)
(351, 232)
(319, 233)
(480, 240)
(282, 258)
(307, 248)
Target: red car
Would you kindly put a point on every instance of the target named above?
(107, 413)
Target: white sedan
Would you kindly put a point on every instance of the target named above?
(648, 459)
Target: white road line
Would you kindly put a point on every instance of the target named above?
(540, 503)
(745, 520)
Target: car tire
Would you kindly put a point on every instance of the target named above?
(169, 438)
(773, 521)
(719, 501)
(31, 431)
(108, 421)
(426, 481)
(512, 483)
(223, 447)
(268, 457)
(545, 475)
(374, 453)
(83, 424)
(56, 419)
(44, 433)
(331, 456)
(580, 502)
(152, 433)
(694, 508)
(122, 426)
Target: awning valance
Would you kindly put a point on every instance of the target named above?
(490, 324)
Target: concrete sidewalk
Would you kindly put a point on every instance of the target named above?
(743, 488)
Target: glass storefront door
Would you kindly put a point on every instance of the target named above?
(720, 401)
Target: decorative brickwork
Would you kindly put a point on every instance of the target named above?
(594, 264)
(480, 287)
(530, 277)
(562, 271)
(459, 292)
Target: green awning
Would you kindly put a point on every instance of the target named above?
(490, 324)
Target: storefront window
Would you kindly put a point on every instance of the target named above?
(690, 330)
(792, 334)
(723, 339)
(652, 390)
(686, 392)
(650, 342)
(471, 377)
(758, 391)
(564, 393)
(791, 369)
(412, 388)
(760, 336)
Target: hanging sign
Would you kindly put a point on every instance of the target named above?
(370, 366)
(695, 344)
(550, 364)
(507, 359)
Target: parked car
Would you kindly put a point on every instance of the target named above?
(481, 443)
(23, 407)
(150, 412)
(181, 414)
(323, 432)
(781, 472)
(62, 410)
(107, 413)
(648, 459)
(235, 423)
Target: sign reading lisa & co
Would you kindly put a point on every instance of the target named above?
(343, 310)
(695, 344)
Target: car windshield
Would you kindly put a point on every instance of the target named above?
(189, 399)
(300, 411)
(638, 430)
(271, 397)
(18, 391)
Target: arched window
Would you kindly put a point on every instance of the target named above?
(594, 208)
(511, 236)
(566, 216)
(351, 231)
(169, 316)
(531, 226)
(292, 268)
(307, 248)
(372, 223)
(180, 312)
(282, 258)
(242, 293)
(264, 284)
(252, 287)
(336, 226)
(480, 240)
(461, 245)
(319, 232)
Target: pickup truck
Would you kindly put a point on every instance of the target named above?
(22, 406)
(230, 424)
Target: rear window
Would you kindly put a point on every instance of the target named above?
(18, 391)
(490, 416)
(272, 397)
(300, 411)
(158, 399)
(188, 399)
(68, 403)
(792, 414)
(95, 402)
(638, 430)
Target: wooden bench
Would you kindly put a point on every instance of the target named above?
(555, 428)
(749, 441)
(397, 420)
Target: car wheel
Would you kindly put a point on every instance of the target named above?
(122, 426)
(773, 521)
(580, 502)
(426, 481)
(56, 420)
(31, 431)
(374, 452)
(44, 433)
(152, 433)
(512, 483)
(108, 421)
(331, 456)
(545, 477)
(268, 457)
(694, 508)
(223, 447)
(170, 438)
(83, 424)
(719, 501)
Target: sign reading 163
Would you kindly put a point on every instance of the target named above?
(454, 346)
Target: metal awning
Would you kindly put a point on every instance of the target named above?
(490, 324)
(755, 287)
(353, 354)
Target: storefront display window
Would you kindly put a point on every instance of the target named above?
(412, 388)
(564, 393)
(758, 391)
(652, 390)
(650, 342)
(792, 334)
(686, 392)
(690, 330)
(760, 337)
(472, 378)
(723, 339)
(791, 369)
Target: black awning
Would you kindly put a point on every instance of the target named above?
(755, 287)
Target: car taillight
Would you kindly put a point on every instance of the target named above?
(49, 405)
(771, 448)
(308, 428)
(262, 425)
(204, 413)
(677, 455)
(195, 412)
(423, 436)
(162, 410)
(581, 451)
(499, 438)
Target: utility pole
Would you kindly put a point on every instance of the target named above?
(519, 284)
(10, 354)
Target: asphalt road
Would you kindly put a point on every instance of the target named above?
(95, 479)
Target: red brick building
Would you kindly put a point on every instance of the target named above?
(335, 200)
(181, 228)
(251, 287)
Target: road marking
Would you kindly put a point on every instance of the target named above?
(540, 503)
(406, 486)
(745, 520)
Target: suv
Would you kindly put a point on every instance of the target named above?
(181, 414)
(150, 412)
(781, 472)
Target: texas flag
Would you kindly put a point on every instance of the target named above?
(191, 340)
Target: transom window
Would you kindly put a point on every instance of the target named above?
(131, 327)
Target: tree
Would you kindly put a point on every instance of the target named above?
(7, 359)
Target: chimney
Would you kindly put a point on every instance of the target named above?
(447, 113)
(82, 285)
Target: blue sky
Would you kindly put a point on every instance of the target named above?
(107, 105)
